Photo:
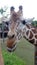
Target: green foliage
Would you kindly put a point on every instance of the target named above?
(34, 23)
(2, 10)
(12, 59)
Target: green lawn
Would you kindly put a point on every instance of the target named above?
(12, 59)
(24, 52)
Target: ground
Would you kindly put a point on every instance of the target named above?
(24, 51)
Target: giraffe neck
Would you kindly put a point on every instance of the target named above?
(30, 33)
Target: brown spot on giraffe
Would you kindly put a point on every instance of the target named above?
(28, 26)
(36, 36)
(31, 35)
(15, 16)
(34, 30)
(27, 32)
(32, 41)
(36, 43)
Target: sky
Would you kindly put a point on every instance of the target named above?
(29, 6)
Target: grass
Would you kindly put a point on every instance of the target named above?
(24, 51)
(12, 59)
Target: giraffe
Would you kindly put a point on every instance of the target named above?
(12, 30)
(23, 29)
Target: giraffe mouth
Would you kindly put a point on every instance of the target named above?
(12, 49)
(11, 43)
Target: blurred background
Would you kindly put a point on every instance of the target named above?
(29, 7)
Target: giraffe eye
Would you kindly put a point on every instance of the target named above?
(23, 22)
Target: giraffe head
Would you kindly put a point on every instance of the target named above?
(12, 34)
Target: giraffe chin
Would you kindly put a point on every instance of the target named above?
(11, 49)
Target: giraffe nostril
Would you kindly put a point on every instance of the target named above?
(13, 36)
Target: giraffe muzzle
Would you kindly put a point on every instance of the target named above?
(12, 49)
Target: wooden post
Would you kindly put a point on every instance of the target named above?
(35, 55)
(3, 30)
(1, 58)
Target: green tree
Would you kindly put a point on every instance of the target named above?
(2, 10)
(34, 23)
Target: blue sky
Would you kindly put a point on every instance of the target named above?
(29, 6)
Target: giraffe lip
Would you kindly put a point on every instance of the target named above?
(11, 49)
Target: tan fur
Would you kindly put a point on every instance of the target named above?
(11, 42)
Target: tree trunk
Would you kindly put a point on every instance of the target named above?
(35, 55)
(1, 58)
